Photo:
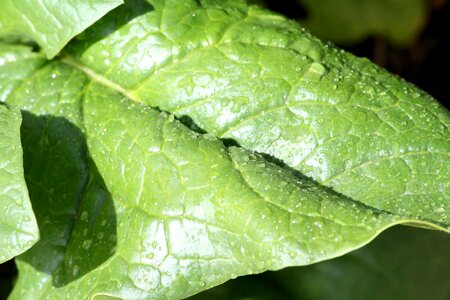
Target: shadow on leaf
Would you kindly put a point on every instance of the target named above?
(110, 23)
(75, 212)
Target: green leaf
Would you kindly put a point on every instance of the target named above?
(133, 204)
(350, 21)
(18, 227)
(52, 24)
(246, 74)
(381, 270)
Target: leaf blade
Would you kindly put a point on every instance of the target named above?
(18, 227)
(52, 25)
(220, 197)
(262, 81)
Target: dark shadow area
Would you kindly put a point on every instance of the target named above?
(21, 41)
(189, 123)
(280, 163)
(429, 62)
(230, 143)
(8, 274)
(289, 8)
(74, 210)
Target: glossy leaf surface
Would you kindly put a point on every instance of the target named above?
(131, 203)
(246, 74)
(18, 227)
(52, 24)
(134, 204)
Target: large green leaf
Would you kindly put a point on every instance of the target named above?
(50, 23)
(350, 21)
(402, 263)
(18, 227)
(132, 203)
(246, 74)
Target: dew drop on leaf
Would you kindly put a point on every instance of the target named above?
(75, 270)
(87, 244)
(84, 216)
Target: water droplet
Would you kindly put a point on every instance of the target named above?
(154, 149)
(84, 216)
(87, 244)
(440, 210)
(75, 270)
(318, 224)
(113, 238)
(145, 277)
(338, 238)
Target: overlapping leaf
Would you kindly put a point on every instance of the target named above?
(177, 213)
(133, 204)
(18, 227)
(245, 74)
(52, 24)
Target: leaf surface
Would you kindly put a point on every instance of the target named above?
(133, 204)
(243, 73)
(52, 24)
(18, 227)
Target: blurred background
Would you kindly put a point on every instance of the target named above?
(409, 38)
